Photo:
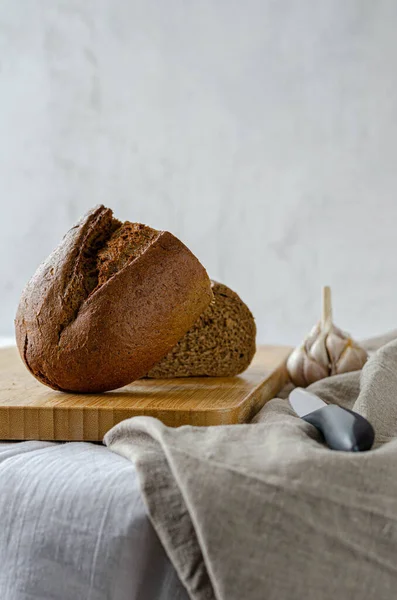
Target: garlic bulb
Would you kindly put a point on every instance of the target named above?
(326, 351)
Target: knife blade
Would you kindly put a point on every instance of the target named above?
(341, 428)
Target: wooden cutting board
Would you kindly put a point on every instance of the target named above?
(30, 410)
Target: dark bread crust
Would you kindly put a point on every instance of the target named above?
(77, 335)
(220, 344)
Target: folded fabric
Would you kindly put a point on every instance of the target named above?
(265, 510)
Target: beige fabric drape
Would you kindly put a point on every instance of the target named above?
(265, 511)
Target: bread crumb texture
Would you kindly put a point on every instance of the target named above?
(220, 344)
(127, 242)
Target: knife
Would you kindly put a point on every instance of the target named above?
(341, 428)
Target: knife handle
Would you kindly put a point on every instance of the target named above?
(342, 428)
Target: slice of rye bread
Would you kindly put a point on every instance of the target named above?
(108, 304)
(220, 344)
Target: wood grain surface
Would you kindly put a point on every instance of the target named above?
(30, 410)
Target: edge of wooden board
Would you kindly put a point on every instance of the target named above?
(58, 423)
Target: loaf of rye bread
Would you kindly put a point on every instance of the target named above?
(220, 344)
(108, 304)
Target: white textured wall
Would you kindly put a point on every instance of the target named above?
(263, 133)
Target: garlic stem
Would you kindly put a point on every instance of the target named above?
(326, 319)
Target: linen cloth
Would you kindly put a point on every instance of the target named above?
(265, 510)
(74, 527)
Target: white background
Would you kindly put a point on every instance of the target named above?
(263, 133)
